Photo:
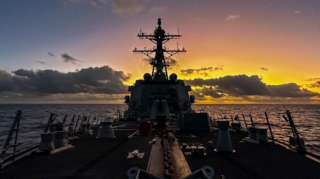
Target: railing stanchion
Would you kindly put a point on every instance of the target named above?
(75, 127)
(251, 120)
(245, 122)
(269, 126)
(14, 124)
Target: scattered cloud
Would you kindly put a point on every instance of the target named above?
(264, 69)
(157, 9)
(232, 17)
(69, 59)
(119, 6)
(194, 17)
(172, 62)
(313, 79)
(314, 85)
(218, 68)
(200, 71)
(297, 12)
(126, 6)
(41, 62)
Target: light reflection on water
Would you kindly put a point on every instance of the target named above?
(305, 117)
(35, 117)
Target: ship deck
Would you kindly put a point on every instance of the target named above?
(88, 157)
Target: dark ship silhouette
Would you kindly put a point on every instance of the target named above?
(158, 85)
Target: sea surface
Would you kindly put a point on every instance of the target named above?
(35, 117)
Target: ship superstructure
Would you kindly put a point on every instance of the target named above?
(158, 85)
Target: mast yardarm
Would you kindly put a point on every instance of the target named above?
(158, 62)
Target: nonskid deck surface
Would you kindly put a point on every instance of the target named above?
(250, 160)
(107, 158)
(89, 158)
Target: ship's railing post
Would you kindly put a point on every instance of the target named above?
(94, 118)
(13, 128)
(16, 137)
(82, 120)
(299, 142)
(49, 122)
(64, 119)
(245, 122)
(269, 126)
(293, 127)
(88, 122)
(75, 127)
(71, 124)
(251, 120)
(98, 119)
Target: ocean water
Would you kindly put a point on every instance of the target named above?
(35, 117)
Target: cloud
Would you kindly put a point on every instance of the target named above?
(314, 85)
(239, 85)
(297, 12)
(126, 6)
(313, 79)
(119, 6)
(50, 54)
(290, 90)
(172, 62)
(200, 71)
(190, 71)
(6, 82)
(157, 9)
(208, 91)
(243, 85)
(99, 80)
(218, 68)
(194, 17)
(41, 62)
(232, 17)
(264, 69)
(69, 59)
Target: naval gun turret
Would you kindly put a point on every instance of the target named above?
(158, 94)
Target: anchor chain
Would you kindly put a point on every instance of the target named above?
(165, 142)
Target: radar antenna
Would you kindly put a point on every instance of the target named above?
(159, 37)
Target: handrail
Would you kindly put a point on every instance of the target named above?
(14, 127)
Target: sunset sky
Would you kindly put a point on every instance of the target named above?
(238, 51)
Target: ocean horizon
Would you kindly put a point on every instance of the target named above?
(35, 117)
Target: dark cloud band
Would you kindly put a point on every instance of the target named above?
(243, 85)
(103, 80)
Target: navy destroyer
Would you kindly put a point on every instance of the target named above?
(159, 136)
(158, 85)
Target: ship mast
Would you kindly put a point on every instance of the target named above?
(159, 65)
